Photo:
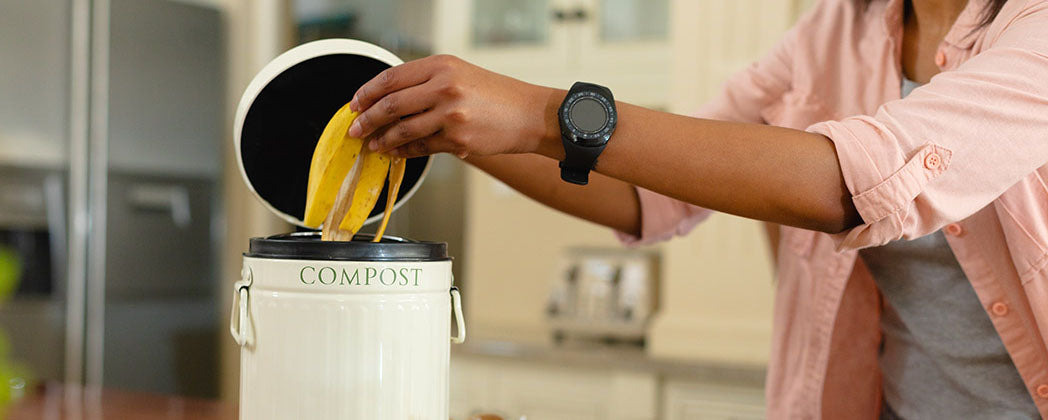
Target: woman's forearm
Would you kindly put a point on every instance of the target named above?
(762, 172)
(605, 200)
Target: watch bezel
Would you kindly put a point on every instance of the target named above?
(584, 138)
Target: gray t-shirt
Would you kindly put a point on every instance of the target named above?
(941, 357)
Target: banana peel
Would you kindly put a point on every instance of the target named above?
(342, 203)
(372, 177)
(345, 180)
(396, 177)
(333, 157)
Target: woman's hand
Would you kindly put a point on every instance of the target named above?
(444, 104)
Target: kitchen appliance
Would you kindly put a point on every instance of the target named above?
(32, 245)
(333, 330)
(111, 132)
(607, 294)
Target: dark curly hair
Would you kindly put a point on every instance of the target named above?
(993, 7)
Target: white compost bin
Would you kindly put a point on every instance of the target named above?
(333, 330)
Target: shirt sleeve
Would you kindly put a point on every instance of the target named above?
(744, 98)
(954, 145)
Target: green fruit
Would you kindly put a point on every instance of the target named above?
(10, 271)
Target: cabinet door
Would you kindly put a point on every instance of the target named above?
(698, 401)
(470, 388)
(520, 38)
(541, 391)
(548, 393)
(715, 39)
(625, 44)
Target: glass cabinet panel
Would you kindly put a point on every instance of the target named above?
(634, 20)
(510, 22)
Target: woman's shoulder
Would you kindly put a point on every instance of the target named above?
(1021, 23)
(1020, 10)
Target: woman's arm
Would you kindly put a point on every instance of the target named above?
(605, 200)
(443, 104)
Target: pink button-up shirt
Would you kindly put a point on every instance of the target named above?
(966, 153)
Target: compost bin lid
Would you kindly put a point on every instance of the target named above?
(286, 107)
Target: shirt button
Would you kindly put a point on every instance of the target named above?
(954, 229)
(932, 161)
(1000, 309)
(940, 59)
(1042, 391)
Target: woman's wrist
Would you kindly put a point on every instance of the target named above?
(547, 127)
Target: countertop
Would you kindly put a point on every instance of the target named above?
(57, 401)
(612, 356)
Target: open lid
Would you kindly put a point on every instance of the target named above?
(286, 107)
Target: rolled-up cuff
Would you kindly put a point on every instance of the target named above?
(881, 201)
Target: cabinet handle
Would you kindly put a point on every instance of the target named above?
(579, 14)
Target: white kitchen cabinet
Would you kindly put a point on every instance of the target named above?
(624, 44)
(703, 401)
(549, 392)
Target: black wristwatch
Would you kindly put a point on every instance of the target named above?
(587, 119)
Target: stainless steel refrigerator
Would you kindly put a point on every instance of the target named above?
(112, 116)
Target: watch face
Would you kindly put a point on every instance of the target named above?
(588, 115)
(587, 118)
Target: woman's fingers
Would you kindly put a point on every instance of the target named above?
(428, 146)
(406, 131)
(391, 109)
(391, 80)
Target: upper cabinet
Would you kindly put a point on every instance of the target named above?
(623, 44)
(510, 23)
(633, 20)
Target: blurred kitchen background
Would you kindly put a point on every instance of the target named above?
(123, 215)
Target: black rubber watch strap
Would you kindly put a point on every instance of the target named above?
(578, 162)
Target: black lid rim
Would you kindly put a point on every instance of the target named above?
(308, 246)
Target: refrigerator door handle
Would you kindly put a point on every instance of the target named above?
(172, 199)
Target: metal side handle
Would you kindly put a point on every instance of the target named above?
(456, 307)
(239, 320)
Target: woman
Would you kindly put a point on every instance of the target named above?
(913, 260)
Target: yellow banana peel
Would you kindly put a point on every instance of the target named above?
(345, 180)
(396, 177)
(333, 157)
(372, 178)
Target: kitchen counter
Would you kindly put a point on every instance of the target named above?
(612, 356)
(57, 401)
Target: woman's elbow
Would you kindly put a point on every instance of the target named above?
(836, 216)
